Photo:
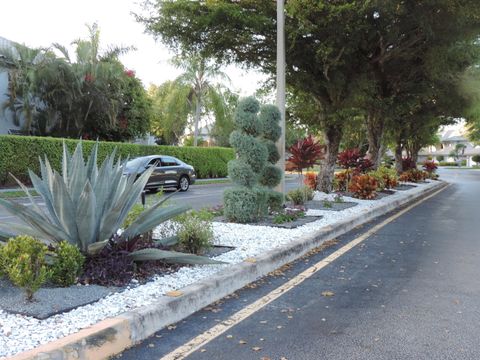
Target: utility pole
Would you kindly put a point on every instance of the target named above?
(281, 87)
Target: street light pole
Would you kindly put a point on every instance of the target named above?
(281, 87)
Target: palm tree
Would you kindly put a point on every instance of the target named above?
(198, 76)
(22, 63)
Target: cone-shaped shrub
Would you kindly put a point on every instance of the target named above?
(253, 171)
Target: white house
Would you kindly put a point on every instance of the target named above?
(450, 136)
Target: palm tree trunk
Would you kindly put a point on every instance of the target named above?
(198, 108)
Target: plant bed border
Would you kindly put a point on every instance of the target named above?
(111, 336)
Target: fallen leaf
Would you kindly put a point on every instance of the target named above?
(203, 350)
(279, 326)
(174, 293)
(328, 293)
(229, 336)
(171, 327)
(151, 345)
(265, 358)
(263, 322)
(242, 342)
(251, 260)
(256, 348)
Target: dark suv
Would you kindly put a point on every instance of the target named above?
(169, 172)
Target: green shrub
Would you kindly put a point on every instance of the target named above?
(440, 158)
(301, 195)
(253, 142)
(240, 204)
(67, 265)
(24, 263)
(195, 233)
(452, 163)
(19, 153)
(275, 200)
(476, 158)
(386, 178)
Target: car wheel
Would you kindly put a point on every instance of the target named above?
(184, 183)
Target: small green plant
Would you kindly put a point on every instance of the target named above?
(67, 264)
(338, 199)
(327, 204)
(195, 233)
(24, 263)
(288, 216)
(301, 195)
(133, 215)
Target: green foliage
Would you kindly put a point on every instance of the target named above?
(246, 119)
(273, 154)
(269, 118)
(363, 186)
(250, 149)
(195, 233)
(476, 158)
(67, 264)
(253, 167)
(440, 158)
(240, 204)
(287, 216)
(133, 215)
(275, 200)
(301, 195)
(24, 263)
(241, 173)
(327, 204)
(386, 178)
(17, 156)
(270, 176)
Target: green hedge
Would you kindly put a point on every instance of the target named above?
(452, 163)
(20, 153)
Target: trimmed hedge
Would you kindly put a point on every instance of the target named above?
(20, 153)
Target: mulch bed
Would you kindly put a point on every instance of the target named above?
(335, 206)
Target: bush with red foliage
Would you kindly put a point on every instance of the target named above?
(430, 166)
(311, 180)
(352, 159)
(413, 175)
(341, 180)
(305, 153)
(408, 164)
(363, 186)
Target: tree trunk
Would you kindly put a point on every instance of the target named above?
(333, 136)
(375, 131)
(398, 157)
(198, 109)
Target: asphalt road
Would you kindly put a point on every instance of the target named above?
(411, 291)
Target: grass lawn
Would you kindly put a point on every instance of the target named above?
(16, 194)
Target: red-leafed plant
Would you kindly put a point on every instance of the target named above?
(306, 153)
(348, 159)
(413, 175)
(408, 164)
(340, 183)
(363, 186)
(311, 180)
(430, 166)
(352, 159)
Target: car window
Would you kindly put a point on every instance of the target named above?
(169, 161)
(154, 161)
(135, 164)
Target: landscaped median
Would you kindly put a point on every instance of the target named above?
(124, 318)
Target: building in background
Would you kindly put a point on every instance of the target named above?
(450, 136)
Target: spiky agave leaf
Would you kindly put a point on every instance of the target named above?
(172, 257)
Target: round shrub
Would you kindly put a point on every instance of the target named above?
(273, 154)
(476, 159)
(275, 200)
(250, 149)
(271, 176)
(241, 173)
(240, 204)
(363, 186)
(24, 263)
(269, 118)
(67, 265)
(246, 116)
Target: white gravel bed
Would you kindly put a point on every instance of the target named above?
(20, 333)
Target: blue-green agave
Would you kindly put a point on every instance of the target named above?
(87, 205)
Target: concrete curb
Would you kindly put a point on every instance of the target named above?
(112, 336)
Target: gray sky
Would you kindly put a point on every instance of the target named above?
(41, 23)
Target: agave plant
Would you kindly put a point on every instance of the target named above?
(87, 205)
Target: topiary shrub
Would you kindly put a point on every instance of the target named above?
(253, 172)
(67, 265)
(24, 263)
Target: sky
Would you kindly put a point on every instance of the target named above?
(39, 23)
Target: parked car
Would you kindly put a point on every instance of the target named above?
(169, 172)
